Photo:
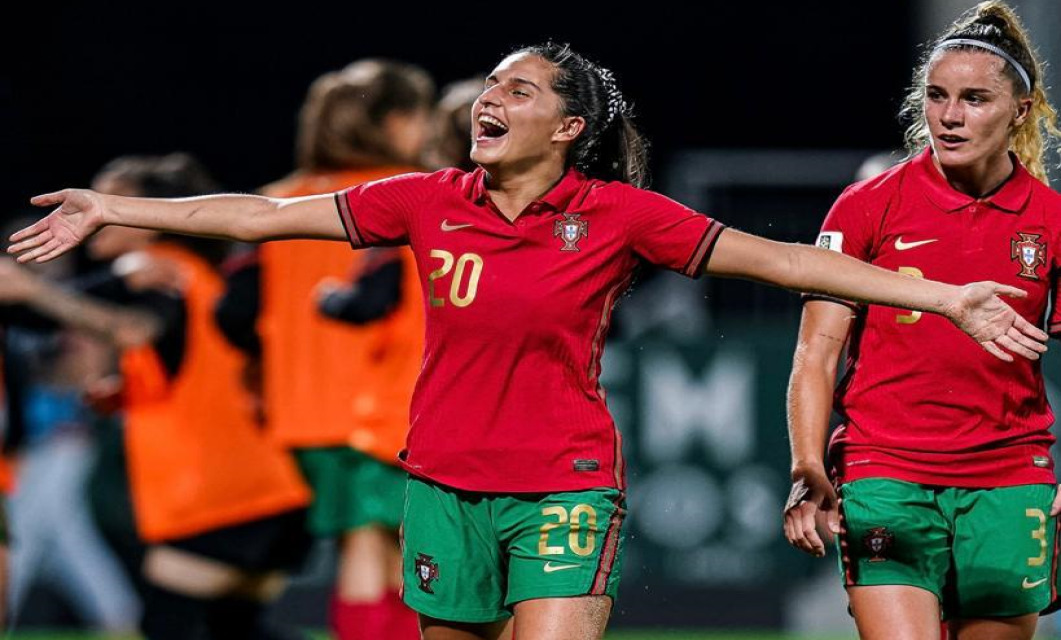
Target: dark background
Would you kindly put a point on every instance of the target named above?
(81, 85)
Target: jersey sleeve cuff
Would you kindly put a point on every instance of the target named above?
(854, 306)
(346, 216)
(694, 268)
(1054, 330)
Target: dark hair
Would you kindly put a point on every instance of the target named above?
(451, 141)
(176, 175)
(610, 148)
(993, 23)
(339, 124)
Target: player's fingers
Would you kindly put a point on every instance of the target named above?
(59, 250)
(45, 199)
(1011, 345)
(832, 522)
(1029, 329)
(38, 252)
(814, 543)
(32, 242)
(1008, 291)
(993, 349)
(41, 226)
(794, 525)
(1015, 334)
(1055, 508)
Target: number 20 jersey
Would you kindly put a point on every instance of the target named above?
(922, 402)
(509, 399)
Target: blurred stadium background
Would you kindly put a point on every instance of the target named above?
(759, 113)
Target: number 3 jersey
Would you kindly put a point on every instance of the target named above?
(509, 398)
(920, 401)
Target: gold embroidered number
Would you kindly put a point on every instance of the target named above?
(469, 263)
(574, 541)
(1038, 534)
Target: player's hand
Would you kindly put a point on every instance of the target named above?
(79, 214)
(1055, 508)
(812, 507)
(981, 313)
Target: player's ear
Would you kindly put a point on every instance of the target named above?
(570, 128)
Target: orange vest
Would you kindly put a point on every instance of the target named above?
(197, 460)
(329, 383)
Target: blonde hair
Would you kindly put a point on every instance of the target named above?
(995, 24)
(340, 121)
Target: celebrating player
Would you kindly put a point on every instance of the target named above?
(943, 461)
(516, 498)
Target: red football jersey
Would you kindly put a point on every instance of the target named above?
(509, 398)
(920, 401)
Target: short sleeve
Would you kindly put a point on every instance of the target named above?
(847, 230)
(378, 213)
(668, 234)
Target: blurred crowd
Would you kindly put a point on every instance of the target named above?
(184, 417)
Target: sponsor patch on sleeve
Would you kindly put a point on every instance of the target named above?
(831, 240)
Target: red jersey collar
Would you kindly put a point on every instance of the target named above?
(1010, 197)
(558, 198)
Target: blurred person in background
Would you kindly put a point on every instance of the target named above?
(342, 337)
(948, 499)
(47, 370)
(451, 126)
(220, 506)
(515, 502)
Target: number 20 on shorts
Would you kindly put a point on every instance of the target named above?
(558, 516)
(468, 264)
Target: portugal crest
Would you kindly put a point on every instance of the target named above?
(1029, 254)
(571, 229)
(878, 542)
(426, 572)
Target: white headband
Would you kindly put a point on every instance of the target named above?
(969, 42)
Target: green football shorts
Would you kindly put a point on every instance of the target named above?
(984, 553)
(470, 557)
(350, 490)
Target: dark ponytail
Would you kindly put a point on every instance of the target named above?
(610, 148)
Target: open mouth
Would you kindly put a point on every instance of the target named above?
(952, 139)
(490, 128)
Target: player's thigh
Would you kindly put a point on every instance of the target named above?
(562, 545)
(1003, 552)
(434, 629)
(453, 569)
(1017, 628)
(579, 618)
(893, 533)
(895, 612)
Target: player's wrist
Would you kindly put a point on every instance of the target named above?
(805, 467)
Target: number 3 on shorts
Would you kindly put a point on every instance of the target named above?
(1038, 534)
(574, 538)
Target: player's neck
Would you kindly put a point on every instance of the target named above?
(981, 178)
(512, 190)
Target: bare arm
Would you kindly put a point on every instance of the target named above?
(80, 213)
(119, 326)
(975, 308)
(822, 335)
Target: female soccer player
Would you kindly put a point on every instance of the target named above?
(943, 461)
(516, 497)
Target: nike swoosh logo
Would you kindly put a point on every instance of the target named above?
(903, 246)
(550, 567)
(1032, 585)
(446, 226)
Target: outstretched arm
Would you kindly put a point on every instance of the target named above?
(79, 213)
(975, 308)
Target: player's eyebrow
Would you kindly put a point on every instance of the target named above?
(517, 80)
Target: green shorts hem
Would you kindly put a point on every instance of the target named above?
(514, 599)
(455, 615)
